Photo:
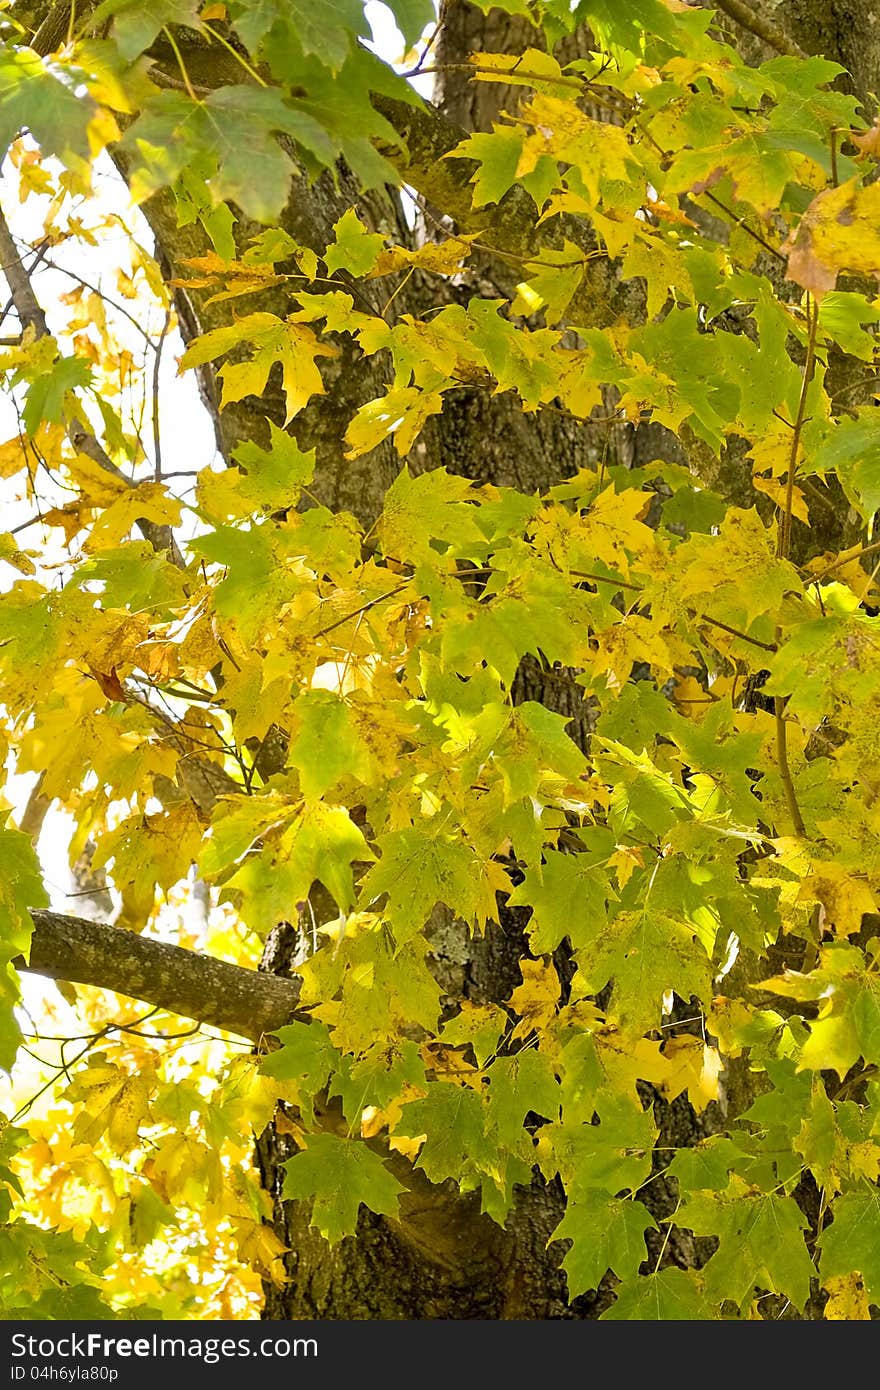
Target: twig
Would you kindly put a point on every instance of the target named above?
(157, 361)
(31, 315)
(783, 544)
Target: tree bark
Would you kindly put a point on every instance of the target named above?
(203, 988)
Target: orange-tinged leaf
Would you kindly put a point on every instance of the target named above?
(840, 230)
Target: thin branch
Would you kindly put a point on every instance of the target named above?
(25, 301)
(157, 362)
(114, 303)
(40, 255)
(703, 617)
(30, 313)
(363, 609)
(782, 549)
(750, 17)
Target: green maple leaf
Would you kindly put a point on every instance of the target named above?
(306, 1056)
(519, 1085)
(706, 1166)
(257, 583)
(377, 1078)
(670, 1295)
(326, 745)
(412, 16)
(848, 1026)
(606, 1233)
(228, 139)
(355, 249)
(33, 97)
(329, 32)
(761, 1242)
(338, 105)
(434, 506)
(842, 315)
(320, 843)
(610, 1156)
(137, 22)
(238, 127)
(851, 449)
(46, 395)
(453, 1119)
(480, 1025)
(645, 954)
(253, 19)
(418, 869)
(567, 896)
(497, 155)
(21, 888)
(852, 1242)
(338, 1175)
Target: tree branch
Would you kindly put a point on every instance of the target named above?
(749, 17)
(31, 315)
(246, 1002)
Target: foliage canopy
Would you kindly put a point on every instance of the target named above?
(314, 707)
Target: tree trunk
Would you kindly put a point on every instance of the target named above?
(443, 1258)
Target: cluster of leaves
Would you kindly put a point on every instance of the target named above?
(660, 843)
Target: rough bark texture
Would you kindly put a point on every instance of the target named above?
(203, 988)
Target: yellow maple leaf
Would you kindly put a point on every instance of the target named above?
(147, 501)
(402, 414)
(847, 1299)
(612, 529)
(535, 1000)
(693, 1067)
(840, 230)
(779, 493)
(113, 1101)
(843, 897)
(625, 861)
(258, 1245)
(295, 346)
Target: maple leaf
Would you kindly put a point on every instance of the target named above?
(272, 340)
(666, 1295)
(355, 249)
(837, 232)
(418, 869)
(452, 1120)
(605, 1233)
(645, 953)
(761, 1242)
(848, 1025)
(567, 896)
(850, 1245)
(338, 1175)
(112, 1101)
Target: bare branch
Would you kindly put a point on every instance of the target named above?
(18, 279)
(246, 1002)
(31, 315)
(752, 18)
